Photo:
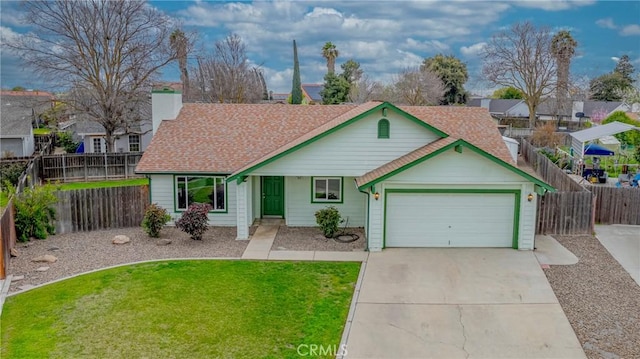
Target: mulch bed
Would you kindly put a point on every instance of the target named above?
(311, 239)
(600, 299)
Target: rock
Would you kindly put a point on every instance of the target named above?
(164, 242)
(121, 239)
(14, 252)
(45, 258)
(25, 287)
(42, 269)
(53, 249)
(16, 278)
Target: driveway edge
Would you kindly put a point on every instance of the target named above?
(342, 349)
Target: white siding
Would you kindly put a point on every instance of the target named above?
(353, 150)
(376, 216)
(460, 168)
(29, 143)
(162, 192)
(527, 230)
(300, 211)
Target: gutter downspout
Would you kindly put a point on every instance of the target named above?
(366, 247)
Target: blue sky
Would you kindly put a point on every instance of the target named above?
(384, 37)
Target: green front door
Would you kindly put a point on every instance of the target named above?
(273, 196)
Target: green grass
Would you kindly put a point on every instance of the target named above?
(4, 199)
(41, 131)
(103, 184)
(186, 309)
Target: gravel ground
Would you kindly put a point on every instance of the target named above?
(600, 299)
(84, 251)
(311, 239)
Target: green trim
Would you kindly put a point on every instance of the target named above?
(283, 206)
(241, 179)
(313, 189)
(226, 190)
(458, 148)
(516, 209)
(539, 190)
(384, 128)
(166, 89)
(335, 129)
(462, 143)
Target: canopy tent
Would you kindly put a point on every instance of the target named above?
(579, 138)
(592, 149)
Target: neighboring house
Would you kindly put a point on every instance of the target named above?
(411, 176)
(93, 136)
(311, 93)
(501, 108)
(20, 111)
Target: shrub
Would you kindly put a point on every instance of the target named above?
(328, 219)
(11, 172)
(35, 212)
(546, 136)
(65, 140)
(194, 220)
(629, 137)
(155, 217)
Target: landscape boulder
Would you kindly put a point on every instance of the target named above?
(121, 239)
(45, 258)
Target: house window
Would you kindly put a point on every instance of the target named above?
(327, 189)
(134, 143)
(383, 128)
(97, 145)
(200, 189)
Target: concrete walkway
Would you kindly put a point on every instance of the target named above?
(623, 242)
(262, 240)
(549, 252)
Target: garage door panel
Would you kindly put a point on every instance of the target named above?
(449, 220)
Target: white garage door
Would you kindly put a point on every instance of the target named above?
(449, 220)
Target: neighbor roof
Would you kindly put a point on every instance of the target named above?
(231, 138)
(591, 106)
(596, 132)
(18, 109)
(313, 91)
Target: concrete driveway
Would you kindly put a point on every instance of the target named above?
(623, 242)
(458, 303)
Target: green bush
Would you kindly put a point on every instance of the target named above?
(328, 219)
(155, 217)
(194, 220)
(34, 212)
(65, 140)
(11, 172)
(629, 137)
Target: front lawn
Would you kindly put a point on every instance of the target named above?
(187, 309)
(102, 184)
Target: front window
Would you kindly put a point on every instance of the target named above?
(97, 145)
(134, 143)
(327, 189)
(200, 189)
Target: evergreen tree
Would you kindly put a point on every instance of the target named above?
(296, 91)
(336, 90)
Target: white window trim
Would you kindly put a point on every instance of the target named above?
(139, 143)
(326, 200)
(102, 148)
(215, 178)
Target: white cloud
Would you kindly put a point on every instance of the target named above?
(606, 23)
(615, 59)
(323, 11)
(630, 30)
(430, 46)
(554, 5)
(473, 50)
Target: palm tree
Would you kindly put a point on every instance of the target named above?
(330, 53)
(179, 44)
(563, 48)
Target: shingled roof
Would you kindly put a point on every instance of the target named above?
(230, 138)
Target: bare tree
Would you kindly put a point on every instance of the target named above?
(110, 50)
(522, 58)
(418, 88)
(365, 90)
(226, 76)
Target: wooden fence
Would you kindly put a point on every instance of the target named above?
(549, 172)
(616, 205)
(565, 213)
(89, 166)
(100, 208)
(7, 238)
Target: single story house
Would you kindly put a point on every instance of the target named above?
(410, 176)
(92, 135)
(19, 112)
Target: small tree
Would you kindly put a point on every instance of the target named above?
(65, 140)
(328, 219)
(546, 136)
(194, 220)
(34, 212)
(155, 217)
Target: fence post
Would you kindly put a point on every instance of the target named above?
(84, 160)
(106, 172)
(64, 169)
(126, 165)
